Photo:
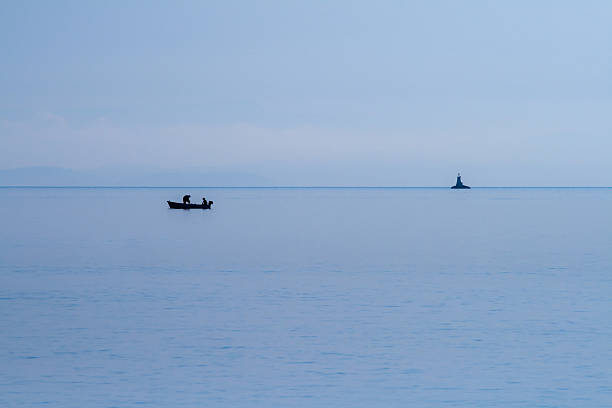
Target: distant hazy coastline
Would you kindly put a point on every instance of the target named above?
(57, 176)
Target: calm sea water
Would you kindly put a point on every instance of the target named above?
(306, 298)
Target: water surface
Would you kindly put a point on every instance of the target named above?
(306, 297)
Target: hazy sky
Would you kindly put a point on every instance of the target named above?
(312, 92)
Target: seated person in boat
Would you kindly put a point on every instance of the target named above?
(204, 202)
(186, 199)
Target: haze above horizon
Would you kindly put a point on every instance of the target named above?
(288, 93)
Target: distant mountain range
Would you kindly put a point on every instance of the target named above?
(56, 176)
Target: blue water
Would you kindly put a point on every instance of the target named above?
(306, 298)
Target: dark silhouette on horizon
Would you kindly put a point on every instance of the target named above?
(186, 204)
(459, 185)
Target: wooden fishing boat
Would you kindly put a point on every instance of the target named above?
(182, 206)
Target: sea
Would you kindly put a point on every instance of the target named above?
(306, 297)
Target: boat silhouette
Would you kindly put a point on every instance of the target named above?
(183, 206)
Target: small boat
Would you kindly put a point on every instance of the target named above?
(459, 185)
(181, 206)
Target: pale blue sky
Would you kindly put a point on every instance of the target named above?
(312, 92)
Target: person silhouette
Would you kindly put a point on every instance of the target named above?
(186, 199)
(204, 202)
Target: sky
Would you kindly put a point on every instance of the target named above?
(311, 92)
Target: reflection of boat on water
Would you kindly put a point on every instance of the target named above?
(182, 206)
(459, 185)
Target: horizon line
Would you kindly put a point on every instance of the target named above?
(301, 187)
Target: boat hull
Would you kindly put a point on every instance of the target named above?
(460, 187)
(181, 206)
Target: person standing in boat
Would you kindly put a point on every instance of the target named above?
(186, 199)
